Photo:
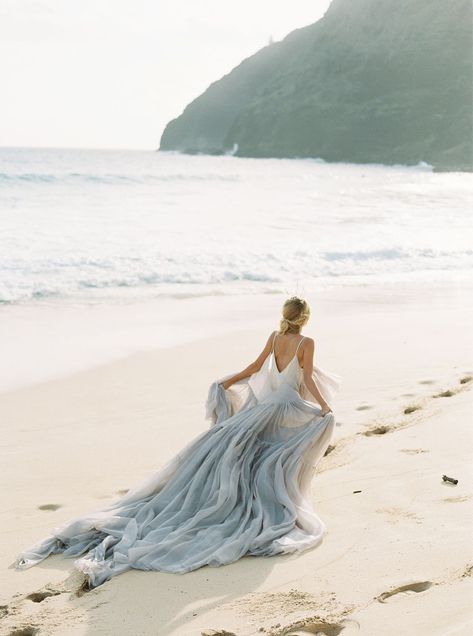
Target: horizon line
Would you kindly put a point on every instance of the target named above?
(41, 147)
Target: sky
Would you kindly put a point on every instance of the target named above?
(112, 73)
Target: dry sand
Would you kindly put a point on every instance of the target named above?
(398, 555)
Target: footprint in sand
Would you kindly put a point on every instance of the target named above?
(330, 448)
(468, 571)
(466, 379)
(24, 631)
(414, 451)
(411, 408)
(49, 507)
(422, 586)
(427, 382)
(447, 393)
(377, 430)
(38, 597)
(397, 514)
(327, 629)
(363, 407)
(123, 491)
(457, 499)
(3, 610)
(322, 628)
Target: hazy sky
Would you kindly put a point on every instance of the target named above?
(112, 73)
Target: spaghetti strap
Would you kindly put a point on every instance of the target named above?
(274, 338)
(297, 348)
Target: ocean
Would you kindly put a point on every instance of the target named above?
(105, 226)
(108, 252)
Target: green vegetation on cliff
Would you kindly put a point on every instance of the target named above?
(373, 81)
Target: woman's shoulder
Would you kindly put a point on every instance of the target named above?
(272, 337)
(307, 341)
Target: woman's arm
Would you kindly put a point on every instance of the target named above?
(253, 367)
(308, 362)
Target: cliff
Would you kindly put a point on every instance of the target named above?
(373, 81)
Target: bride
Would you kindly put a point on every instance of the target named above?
(241, 487)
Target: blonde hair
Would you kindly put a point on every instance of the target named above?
(295, 312)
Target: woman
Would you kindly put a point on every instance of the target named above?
(239, 488)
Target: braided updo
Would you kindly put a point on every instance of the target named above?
(295, 312)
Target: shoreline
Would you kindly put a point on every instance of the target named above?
(43, 343)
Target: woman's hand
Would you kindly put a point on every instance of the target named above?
(325, 409)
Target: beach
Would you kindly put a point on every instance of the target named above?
(179, 182)
(397, 557)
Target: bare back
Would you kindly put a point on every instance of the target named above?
(285, 347)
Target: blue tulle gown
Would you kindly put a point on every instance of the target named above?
(241, 487)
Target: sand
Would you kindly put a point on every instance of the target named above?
(398, 555)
